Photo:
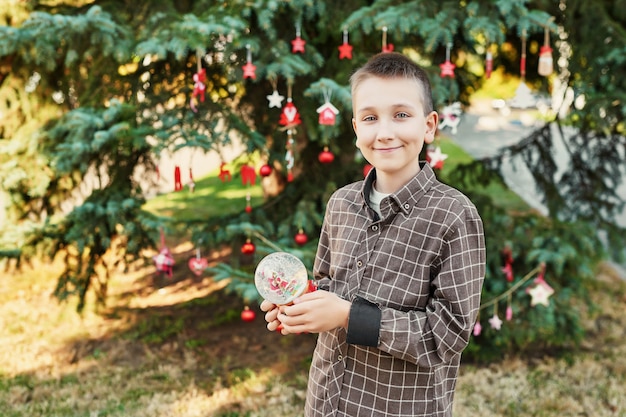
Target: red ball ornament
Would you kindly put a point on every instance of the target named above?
(366, 169)
(265, 170)
(248, 209)
(301, 238)
(248, 248)
(248, 315)
(326, 156)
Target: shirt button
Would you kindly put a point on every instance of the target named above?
(359, 263)
(374, 228)
(406, 206)
(339, 358)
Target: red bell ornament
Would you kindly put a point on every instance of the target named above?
(326, 156)
(248, 315)
(265, 170)
(248, 248)
(366, 169)
(301, 238)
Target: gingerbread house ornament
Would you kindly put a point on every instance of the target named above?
(327, 114)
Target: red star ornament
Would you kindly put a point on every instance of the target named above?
(297, 45)
(447, 69)
(345, 51)
(249, 71)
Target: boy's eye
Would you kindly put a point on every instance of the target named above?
(402, 115)
(369, 118)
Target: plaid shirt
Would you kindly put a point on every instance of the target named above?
(414, 277)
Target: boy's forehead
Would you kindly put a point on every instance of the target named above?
(409, 86)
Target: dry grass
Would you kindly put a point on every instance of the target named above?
(119, 362)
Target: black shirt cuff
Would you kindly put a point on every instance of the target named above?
(364, 323)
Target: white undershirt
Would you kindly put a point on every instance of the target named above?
(375, 198)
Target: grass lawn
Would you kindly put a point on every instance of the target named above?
(210, 197)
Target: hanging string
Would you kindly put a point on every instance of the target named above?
(327, 92)
(345, 35)
(289, 85)
(384, 38)
(198, 59)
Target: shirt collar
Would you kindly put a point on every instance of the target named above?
(407, 196)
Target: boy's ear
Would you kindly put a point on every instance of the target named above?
(354, 124)
(432, 122)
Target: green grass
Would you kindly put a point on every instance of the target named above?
(211, 197)
(502, 196)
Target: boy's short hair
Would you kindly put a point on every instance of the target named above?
(394, 65)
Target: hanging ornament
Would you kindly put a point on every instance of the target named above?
(248, 315)
(366, 169)
(508, 264)
(300, 238)
(248, 175)
(435, 157)
(178, 184)
(326, 156)
(199, 80)
(289, 157)
(248, 206)
(297, 45)
(447, 68)
(224, 173)
(265, 170)
(509, 309)
(488, 64)
(249, 69)
(523, 98)
(546, 65)
(540, 291)
(290, 116)
(191, 183)
(387, 47)
(495, 322)
(451, 117)
(522, 61)
(164, 261)
(327, 112)
(345, 49)
(248, 248)
(275, 99)
(477, 328)
(198, 264)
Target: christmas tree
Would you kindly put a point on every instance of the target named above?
(97, 90)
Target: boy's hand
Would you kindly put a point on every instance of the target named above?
(270, 315)
(314, 312)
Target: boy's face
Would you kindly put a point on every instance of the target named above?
(390, 125)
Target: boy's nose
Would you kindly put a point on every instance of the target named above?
(385, 130)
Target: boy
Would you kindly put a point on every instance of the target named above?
(401, 261)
